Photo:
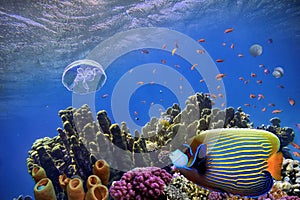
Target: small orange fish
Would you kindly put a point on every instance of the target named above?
(193, 66)
(152, 83)
(177, 66)
(271, 104)
(223, 104)
(266, 71)
(296, 154)
(219, 60)
(144, 51)
(201, 40)
(200, 51)
(181, 78)
(130, 71)
(240, 55)
(246, 82)
(163, 46)
(228, 30)
(104, 96)
(291, 101)
(201, 80)
(295, 145)
(276, 111)
(221, 95)
(232, 46)
(253, 75)
(213, 96)
(135, 113)
(252, 96)
(140, 83)
(220, 76)
(218, 87)
(247, 104)
(163, 61)
(260, 96)
(241, 78)
(264, 109)
(259, 81)
(261, 65)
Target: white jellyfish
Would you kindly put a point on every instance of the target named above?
(256, 50)
(278, 72)
(84, 76)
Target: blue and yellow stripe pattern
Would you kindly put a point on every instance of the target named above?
(237, 161)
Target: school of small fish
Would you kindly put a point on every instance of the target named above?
(257, 77)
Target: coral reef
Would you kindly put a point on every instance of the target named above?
(141, 183)
(290, 177)
(197, 116)
(74, 152)
(182, 188)
(286, 135)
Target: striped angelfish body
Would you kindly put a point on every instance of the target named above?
(237, 160)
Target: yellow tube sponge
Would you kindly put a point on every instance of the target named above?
(38, 173)
(92, 180)
(97, 192)
(44, 190)
(101, 169)
(75, 189)
(63, 181)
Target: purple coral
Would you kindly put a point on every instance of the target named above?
(290, 198)
(141, 184)
(215, 196)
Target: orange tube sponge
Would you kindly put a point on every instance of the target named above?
(101, 169)
(97, 192)
(44, 190)
(38, 173)
(63, 181)
(75, 189)
(92, 180)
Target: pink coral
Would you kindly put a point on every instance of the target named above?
(141, 184)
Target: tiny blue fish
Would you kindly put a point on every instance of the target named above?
(238, 161)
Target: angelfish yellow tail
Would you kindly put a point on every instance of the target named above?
(275, 165)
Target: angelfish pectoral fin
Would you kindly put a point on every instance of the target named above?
(179, 159)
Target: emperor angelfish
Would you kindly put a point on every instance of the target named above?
(237, 161)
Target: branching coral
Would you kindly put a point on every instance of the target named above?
(187, 189)
(290, 177)
(141, 183)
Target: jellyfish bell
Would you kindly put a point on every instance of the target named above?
(84, 76)
(278, 72)
(256, 50)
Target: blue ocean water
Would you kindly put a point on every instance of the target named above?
(38, 40)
